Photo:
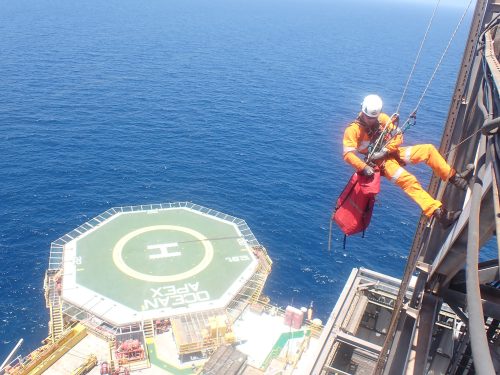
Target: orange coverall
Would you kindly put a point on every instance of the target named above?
(357, 139)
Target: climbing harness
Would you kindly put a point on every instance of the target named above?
(384, 136)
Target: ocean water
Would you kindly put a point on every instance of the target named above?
(235, 105)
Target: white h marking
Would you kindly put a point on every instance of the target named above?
(163, 247)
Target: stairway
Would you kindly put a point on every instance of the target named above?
(56, 326)
(148, 328)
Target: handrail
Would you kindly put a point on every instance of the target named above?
(57, 246)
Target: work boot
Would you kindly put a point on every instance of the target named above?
(445, 217)
(461, 180)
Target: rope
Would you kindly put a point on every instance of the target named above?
(418, 55)
(442, 56)
(378, 145)
(462, 141)
(330, 236)
(212, 239)
(404, 127)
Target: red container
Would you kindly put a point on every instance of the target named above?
(293, 317)
(298, 319)
(288, 316)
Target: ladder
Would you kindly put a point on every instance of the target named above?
(56, 326)
(148, 328)
(112, 346)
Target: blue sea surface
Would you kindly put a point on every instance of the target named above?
(238, 106)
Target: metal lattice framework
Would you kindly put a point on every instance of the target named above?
(446, 261)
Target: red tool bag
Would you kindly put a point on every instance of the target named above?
(354, 207)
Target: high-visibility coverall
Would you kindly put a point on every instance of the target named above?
(357, 138)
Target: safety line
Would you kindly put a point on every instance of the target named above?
(403, 128)
(442, 56)
(212, 239)
(462, 141)
(418, 55)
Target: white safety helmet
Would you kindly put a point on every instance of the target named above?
(372, 105)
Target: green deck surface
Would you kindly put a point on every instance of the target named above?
(280, 344)
(170, 369)
(114, 259)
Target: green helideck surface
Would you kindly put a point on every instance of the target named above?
(171, 258)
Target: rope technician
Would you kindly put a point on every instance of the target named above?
(368, 128)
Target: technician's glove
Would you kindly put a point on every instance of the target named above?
(368, 171)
